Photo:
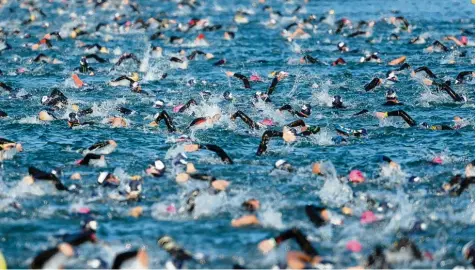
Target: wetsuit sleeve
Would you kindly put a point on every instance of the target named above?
(40, 175)
(374, 83)
(272, 87)
(440, 45)
(361, 112)
(224, 157)
(192, 55)
(288, 108)
(300, 239)
(404, 115)
(122, 257)
(357, 33)
(88, 157)
(252, 124)
(202, 177)
(297, 123)
(310, 59)
(85, 111)
(187, 105)
(243, 78)
(461, 75)
(426, 70)
(97, 58)
(267, 135)
(82, 238)
(464, 184)
(197, 121)
(39, 261)
(134, 57)
(451, 92)
(404, 66)
(168, 121)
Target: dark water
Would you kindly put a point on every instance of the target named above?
(45, 213)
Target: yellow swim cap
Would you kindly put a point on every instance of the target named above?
(3, 263)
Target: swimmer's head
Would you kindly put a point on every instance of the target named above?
(337, 101)
(228, 95)
(159, 103)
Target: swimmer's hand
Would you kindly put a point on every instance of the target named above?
(381, 115)
(288, 136)
(191, 168)
(427, 81)
(229, 73)
(316, 168)
(190, 147)
(182, 178)
(245, 221)
(220, 184)
(267, 245)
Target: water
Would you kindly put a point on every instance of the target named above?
(45, 212)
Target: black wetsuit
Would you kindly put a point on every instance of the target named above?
(252, 124)
(168, 121)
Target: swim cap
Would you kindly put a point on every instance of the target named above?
(255, 77)
(228, 95)
(391, 94)
(356, 176)
(97, 263)
(354, 246)
(44, 99)
(159, 103)
(340, 45)
(267, 122)
(280, 163)
(177, 108)
(89, 223)
(102, 177)
(159, 165)
(368, 217)
(437, 160)
(464, 40)
(391, 76)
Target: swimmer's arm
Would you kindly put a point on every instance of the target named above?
(252, 124)
(267, 135)
(452, 93)
(374, 83)
(297, 123)
(300, 239)
(219, 151)
(461, 75)
(426, 70)
(400, 113)
(96, 57)
(273, 85)
(455, 40)
(187, 105)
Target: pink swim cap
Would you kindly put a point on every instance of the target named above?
(177, 108)
(171, 209)
(368, 217)
(437, 160)
(84, 210)
(464, 40)
(356, 176)
(255, 78)
(267, 122)
(354, 246)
